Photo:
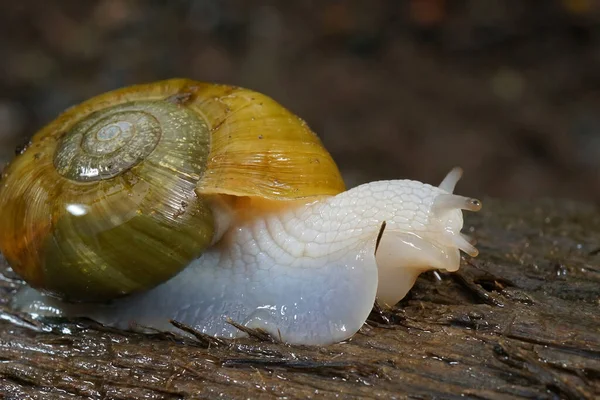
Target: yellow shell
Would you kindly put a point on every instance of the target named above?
(114, 196)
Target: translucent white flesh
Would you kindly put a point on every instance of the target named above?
(307, 275)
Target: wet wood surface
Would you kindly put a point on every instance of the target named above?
(520, 321)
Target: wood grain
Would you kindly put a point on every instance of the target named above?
(519, 321)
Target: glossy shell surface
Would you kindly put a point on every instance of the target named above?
(114, 196)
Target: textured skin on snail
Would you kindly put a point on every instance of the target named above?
(290, 252)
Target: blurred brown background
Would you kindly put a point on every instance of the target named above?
(508, 89)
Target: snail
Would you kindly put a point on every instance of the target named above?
(205, 203)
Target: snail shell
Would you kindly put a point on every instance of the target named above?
(120, 193)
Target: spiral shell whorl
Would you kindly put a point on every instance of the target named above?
(107, 143)
(110, 141)
(99, 197)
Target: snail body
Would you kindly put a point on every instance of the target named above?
(278, 245)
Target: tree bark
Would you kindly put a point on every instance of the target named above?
(520, 321)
